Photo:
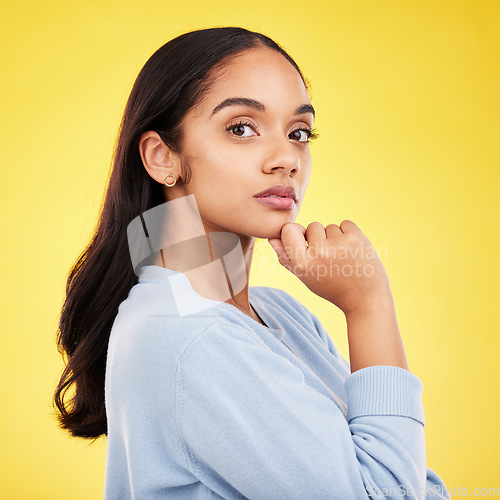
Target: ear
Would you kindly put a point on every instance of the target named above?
(158, 159)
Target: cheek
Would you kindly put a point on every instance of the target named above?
(220, 167)
(306, 164)
(210, 153)
(307, 171)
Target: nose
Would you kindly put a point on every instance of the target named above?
(283, 156)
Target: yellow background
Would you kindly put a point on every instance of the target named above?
(407, 100)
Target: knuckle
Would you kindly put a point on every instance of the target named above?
(349, 223)
(322, 252)
(289, 226)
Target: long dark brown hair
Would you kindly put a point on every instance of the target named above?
(171, 82)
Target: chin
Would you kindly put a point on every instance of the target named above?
(271, 230)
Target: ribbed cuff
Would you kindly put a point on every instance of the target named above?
(384, 390)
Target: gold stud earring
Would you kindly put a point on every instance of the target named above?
(169, 185)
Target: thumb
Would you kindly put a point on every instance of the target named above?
(279, 248)
(277, 245)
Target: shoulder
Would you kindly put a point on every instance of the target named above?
(148, 336)
(228, 358)
(148, 317)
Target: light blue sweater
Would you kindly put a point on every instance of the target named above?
(215, 405)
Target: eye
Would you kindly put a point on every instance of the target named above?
(301, 134)
(241, 129)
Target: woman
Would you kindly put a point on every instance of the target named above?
(206, 387)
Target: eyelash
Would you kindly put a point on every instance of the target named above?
(311, 132)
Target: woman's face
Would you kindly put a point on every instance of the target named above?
(237, 149)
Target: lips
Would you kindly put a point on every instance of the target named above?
(278, 190)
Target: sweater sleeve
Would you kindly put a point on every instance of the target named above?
(434, 485)
(248, 421)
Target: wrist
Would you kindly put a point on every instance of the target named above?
(375, 304)
(373, 334)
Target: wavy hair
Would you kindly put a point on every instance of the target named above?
(172, 81)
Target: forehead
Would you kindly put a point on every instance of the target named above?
(261, 74)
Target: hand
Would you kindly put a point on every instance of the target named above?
(339, 263)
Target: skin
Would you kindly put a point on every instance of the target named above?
(230, 166)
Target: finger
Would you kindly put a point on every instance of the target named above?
(278, 247)
(333, 231)
(347, 226)
(315, 232)
(294, 242)
(274, 242)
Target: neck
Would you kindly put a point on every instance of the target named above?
(231, 256)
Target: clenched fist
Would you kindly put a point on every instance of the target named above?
(338, 263)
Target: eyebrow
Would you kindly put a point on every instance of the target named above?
(252, 103)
